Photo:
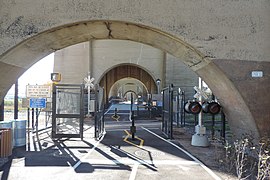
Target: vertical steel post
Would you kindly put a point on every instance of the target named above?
(163, 111)
(16, 101)
(36, 119)
(115, 112)
(96, 115)
(33, 119)
(213, 126)
(183, 107)
(133, 125)
(200, 115)
(28, 118)
(178, 106)
(195, 119)
(223, 125)
(131, 104)
(81, 110)
(213, 121)
(2, 110)
(171, 111)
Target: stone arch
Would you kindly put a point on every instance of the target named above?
(132, 79)
(127, 70)
(18, 59)
(130, 91)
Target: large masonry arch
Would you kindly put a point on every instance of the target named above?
(121, 71)
(18, 59)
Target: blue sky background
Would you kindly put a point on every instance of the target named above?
(39, 73)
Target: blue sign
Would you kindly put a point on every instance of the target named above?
(37, 103)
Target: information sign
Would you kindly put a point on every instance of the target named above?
(38, 91)
(37, 103)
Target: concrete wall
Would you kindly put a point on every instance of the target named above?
(178, 74)
(75, 66)
(111, 53)
(255, 90)
(220, 29)
(73, 62)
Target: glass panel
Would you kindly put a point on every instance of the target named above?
(68, 101)
(67, 125)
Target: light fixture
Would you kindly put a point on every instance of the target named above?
(158, 85)
(56, 77)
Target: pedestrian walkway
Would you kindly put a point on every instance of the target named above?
(115, 156)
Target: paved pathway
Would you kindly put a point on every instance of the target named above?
(115, 156)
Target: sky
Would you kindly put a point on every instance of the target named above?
(39, 73)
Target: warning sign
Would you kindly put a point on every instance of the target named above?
(38, 91)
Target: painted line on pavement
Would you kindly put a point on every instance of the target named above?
(91, 150)
(115, 117)
(141, 162)
(187, 153)
(118, 113)
(127, 141)
(134, 171)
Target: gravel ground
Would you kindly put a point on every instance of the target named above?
(207, 155)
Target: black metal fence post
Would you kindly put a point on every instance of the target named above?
(213, 126)
(171, 111)
(213, 121)
(2, 110)
(178, 107)
(133, 127)
(28, 118)
(16, 109)
(183, 116)
(36, 124)
(223, 125)
(33, 119)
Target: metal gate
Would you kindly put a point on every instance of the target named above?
(99, 112)
(67, 111)
(167, 112)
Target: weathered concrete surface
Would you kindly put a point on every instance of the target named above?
(76, 65)
(241, 119)
(100, 56)
(231, 29)
(218, 28)
(124, 71)
(254, 90)
(35, 48)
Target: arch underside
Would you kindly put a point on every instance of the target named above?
(17, 60)
(127, 71)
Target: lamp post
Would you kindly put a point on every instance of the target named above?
(158, 85)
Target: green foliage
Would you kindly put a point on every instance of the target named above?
(9, 103)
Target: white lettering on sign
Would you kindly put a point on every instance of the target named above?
(256, 74)
(35, 91)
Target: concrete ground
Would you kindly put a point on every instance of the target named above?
(115, 156)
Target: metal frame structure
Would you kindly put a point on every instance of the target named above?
(99, 112)
(69, 116)
(167, 112)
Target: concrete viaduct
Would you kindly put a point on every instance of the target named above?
(223, 42)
